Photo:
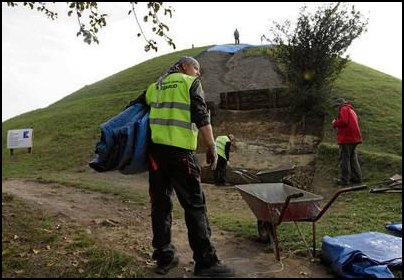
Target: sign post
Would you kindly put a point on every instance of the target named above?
(20, 138)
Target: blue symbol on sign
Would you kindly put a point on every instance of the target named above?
(25, 134)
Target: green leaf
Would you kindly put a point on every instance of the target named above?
(168, 11)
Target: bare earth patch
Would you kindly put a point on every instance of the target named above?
(125, 227)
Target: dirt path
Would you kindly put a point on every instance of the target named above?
(126, 227)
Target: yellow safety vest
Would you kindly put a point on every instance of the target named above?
(170, 112)
(220, 143)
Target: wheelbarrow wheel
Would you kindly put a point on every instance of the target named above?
(265, 231)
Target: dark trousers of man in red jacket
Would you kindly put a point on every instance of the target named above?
(349, 162)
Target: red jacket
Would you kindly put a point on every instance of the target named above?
(348, 125)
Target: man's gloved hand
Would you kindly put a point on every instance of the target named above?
(211, 157)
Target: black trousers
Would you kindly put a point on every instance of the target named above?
(179, 170)
(220, 171)
(349, 164)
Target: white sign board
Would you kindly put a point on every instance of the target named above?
(19, 138)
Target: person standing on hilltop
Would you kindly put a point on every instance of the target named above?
(236, 37)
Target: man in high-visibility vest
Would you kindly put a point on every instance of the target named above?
(177, 113)
(223, 144)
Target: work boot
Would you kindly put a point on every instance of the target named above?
(218, 270)
(164, 268)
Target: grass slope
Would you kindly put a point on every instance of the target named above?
(65, 133)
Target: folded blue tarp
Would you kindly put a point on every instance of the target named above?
(123, 142)
(139, 160)
(363, 255)
(396, 228)
(230, 48)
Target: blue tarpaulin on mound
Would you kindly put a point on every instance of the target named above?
(363, 255)
(396, 228)
(230, 48)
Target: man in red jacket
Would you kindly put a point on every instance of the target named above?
(348, 137)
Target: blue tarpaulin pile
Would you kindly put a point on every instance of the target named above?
(364, 255)
(396, 228)
(124, 140)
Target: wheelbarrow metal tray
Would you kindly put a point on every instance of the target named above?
(267, 200)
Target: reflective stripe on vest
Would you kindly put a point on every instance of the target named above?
(170, 112)
(220, 143)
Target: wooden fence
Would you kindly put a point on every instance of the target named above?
(254, 99)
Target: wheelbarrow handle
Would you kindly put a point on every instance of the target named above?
(295, 195)
(336, 194)
(286, 204)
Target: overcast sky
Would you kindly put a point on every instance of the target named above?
(43, 60)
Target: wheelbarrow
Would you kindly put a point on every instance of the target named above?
(274, 203)
(274, 175)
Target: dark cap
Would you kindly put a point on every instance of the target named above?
(339, 101)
